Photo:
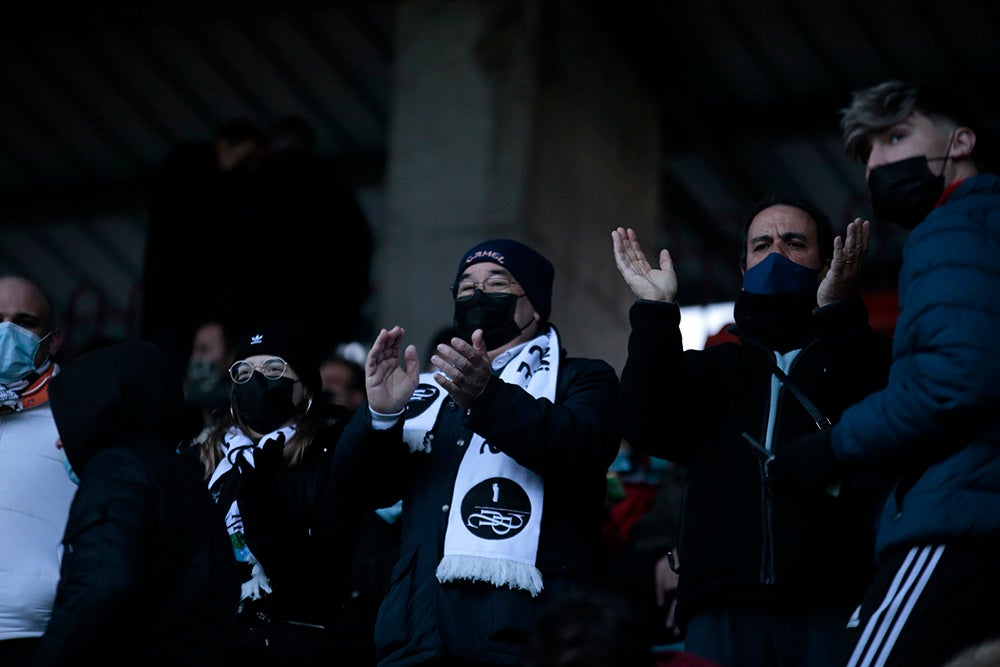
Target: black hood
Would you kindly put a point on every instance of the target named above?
(122, 394)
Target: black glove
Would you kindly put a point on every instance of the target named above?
(257, 490)
(806, 461)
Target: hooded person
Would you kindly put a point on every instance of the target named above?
(147, 575)
(499, 457)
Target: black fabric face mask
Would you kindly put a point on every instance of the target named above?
(904, 192)
(264, 405)
(493, 313)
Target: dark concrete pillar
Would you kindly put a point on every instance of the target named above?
(513, 119)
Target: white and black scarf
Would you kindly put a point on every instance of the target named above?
(496, 507)
(237, 444)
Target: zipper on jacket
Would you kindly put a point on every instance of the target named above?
(767, 546)
(767, 568)
(767, 534)
(768, 573)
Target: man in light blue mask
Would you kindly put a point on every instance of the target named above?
(766, 579)
(35, 491)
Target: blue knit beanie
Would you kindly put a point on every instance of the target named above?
(529, 268)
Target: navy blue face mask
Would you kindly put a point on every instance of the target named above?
(776, 274)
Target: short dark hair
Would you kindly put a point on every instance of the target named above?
(881, 106)
(824, 230)
(588, 630)
(356, 370)
(291, 132)
(238, 130)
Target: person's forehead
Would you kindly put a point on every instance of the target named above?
(916, 123)
(484, 269)
(334, 373)
(18, 296)
(334, 367)
(781, 219)
(258, 359)
(209, 336)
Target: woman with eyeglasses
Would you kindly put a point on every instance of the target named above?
(290, 513)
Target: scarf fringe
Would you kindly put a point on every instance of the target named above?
(496, 571)
(258, 585)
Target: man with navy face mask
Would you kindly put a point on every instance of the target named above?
(766, 579)
(934, 430)
(35, 491)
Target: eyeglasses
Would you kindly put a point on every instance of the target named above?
(272, 368)
(492, 285)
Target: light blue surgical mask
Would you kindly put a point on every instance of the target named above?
(69, 470)
(18, 348)
(776, 274)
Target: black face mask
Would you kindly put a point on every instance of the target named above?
(904, 192)
(493, 313)
(264, 405)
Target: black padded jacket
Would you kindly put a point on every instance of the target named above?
(148, 576)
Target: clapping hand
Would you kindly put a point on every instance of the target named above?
(464, 369)
(848, 256)
(644, 281)
(389, 384)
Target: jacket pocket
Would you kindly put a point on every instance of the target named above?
(392, 627)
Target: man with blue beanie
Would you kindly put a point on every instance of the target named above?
(500, 464)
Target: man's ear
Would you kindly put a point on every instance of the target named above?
(48, 347)
(54, 341)
(963, 143)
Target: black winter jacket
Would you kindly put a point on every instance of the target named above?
(570, 444)
(741, 541)
(148, 576)
(305, 529)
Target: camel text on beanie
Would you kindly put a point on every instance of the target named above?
(530, 269)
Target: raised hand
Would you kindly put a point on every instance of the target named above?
(464, 369)
(389, 384)
(644, 281)
(848, 256)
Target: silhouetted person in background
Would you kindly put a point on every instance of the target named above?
(253, 207)
(588, 630)
(206, 380)
(300, 229)
(190, 199)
